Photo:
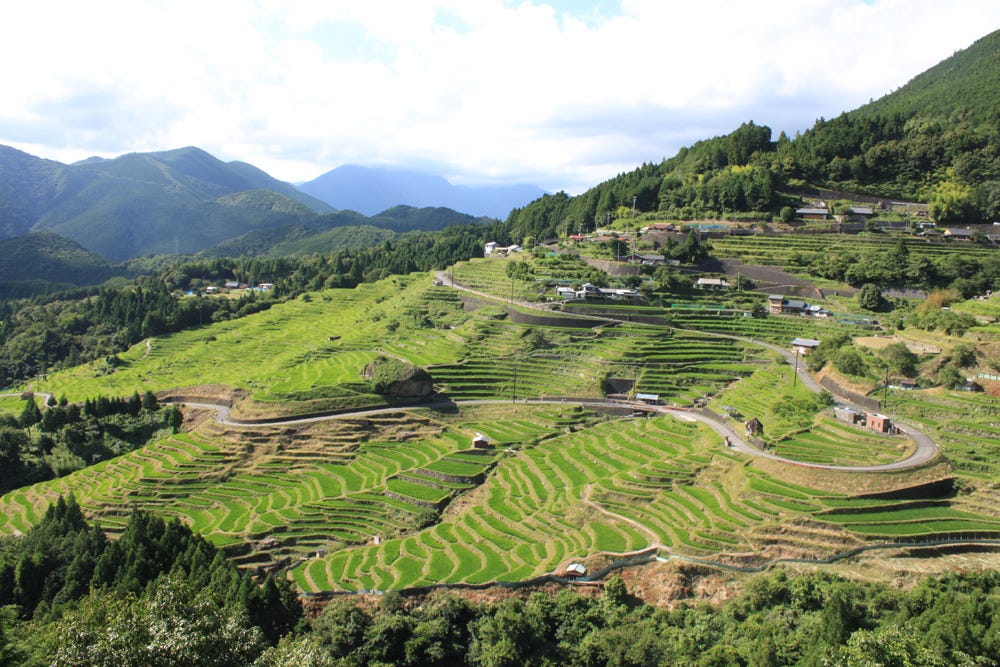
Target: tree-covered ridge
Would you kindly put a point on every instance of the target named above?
(74, 327)
(935, 140)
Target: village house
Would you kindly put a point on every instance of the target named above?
(492, 248)
(659, 227)
(804, 346)
(712, 283)
(646, 260)
(958, 234)
(778, 304)
(480, 441)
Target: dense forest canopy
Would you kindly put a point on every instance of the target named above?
(160, 595)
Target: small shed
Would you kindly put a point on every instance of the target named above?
(813, 213)
(648, 399)
(480, 441)
(712, 283)
(804, 345)
(847, 414)
(575, 570)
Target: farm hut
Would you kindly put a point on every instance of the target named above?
(575, 570)
(812, 213)
(712, 283)
(754, 427)
(908, 384)
(480, 441)
(847, 415)
(879, 423)
(648, 399)
(959, 234)
(646, 260)
(804, 345)
(969, 385)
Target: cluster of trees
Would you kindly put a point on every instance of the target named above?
(806, 620)
(969, 274)
(896, 360)
(44, 443)
(158, 595)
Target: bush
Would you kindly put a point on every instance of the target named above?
(850, 362)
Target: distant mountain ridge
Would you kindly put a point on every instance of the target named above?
(143, 203)
(182, 201)
(370, 190)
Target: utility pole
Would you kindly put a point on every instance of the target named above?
(885, 389)
(633, 205)
(513, 395)
(795, 373)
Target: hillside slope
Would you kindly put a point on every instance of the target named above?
(935, 140)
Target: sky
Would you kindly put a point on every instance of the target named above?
(562, 94)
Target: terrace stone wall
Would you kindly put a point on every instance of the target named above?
(518, 317)
(866, 402)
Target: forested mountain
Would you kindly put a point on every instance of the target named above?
(177, 202)
(935, 140)
(45, 262)
(342, 230)
(369, 190)
(173, 201)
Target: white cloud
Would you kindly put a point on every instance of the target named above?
(489, 89)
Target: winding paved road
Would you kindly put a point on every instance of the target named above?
(925, 449)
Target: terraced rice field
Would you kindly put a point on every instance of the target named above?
(793, 252)
(832, 442)
(401, 499)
